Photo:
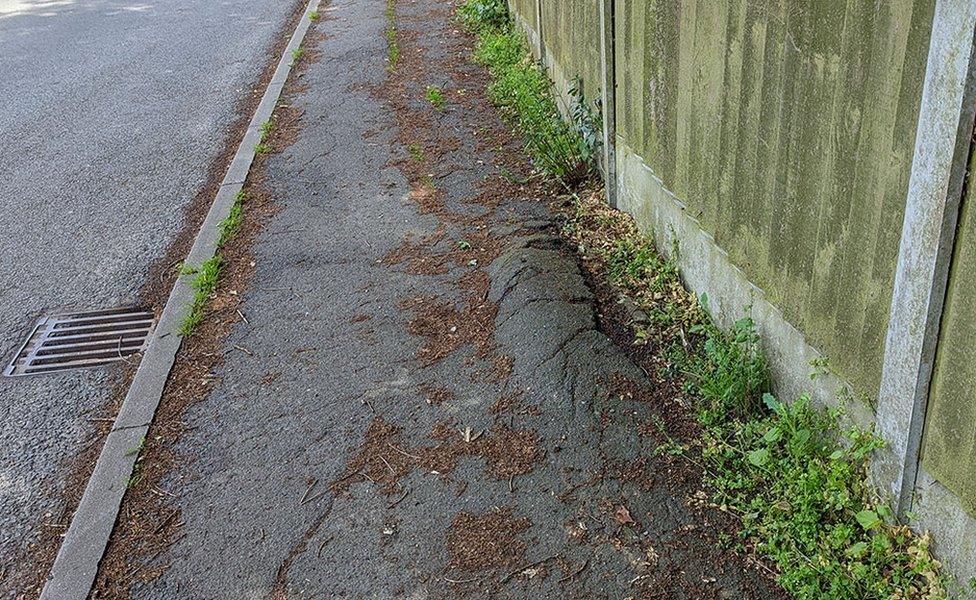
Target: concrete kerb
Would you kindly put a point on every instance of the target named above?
(84, 544)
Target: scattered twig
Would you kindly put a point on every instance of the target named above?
(308, 490)
(576, 572)
(314, 498)
(388, 465)
(449, 580)
(399, 500)
(322, 545)
(403, 452)
(243, 318)
(243, 349)
(511, 484)
(165, 521)
(528, 566)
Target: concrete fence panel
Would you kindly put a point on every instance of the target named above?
(786, 129)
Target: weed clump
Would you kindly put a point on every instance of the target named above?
(435, 96)
(523, 91)
(204, 285)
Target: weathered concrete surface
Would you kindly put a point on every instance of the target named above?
(942, 154)
(337, 339)
(949, 446)
(112, 113)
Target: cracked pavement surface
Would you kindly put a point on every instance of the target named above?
(421, 403)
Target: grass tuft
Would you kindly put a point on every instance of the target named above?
(313, 16)
(230, 225)
(417, 153)
(204, 285)
(435, 96)
(523, 91)
(266, 128)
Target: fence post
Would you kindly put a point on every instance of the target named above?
(608, 69)
(942, 142)
(538, 31)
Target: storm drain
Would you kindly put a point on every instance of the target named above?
(82, 340)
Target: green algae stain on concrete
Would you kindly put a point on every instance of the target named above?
(571, 34)
(787, 129)
(949, 444)
(526, 9)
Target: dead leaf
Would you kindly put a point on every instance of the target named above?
(623, 516)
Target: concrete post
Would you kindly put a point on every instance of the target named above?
(538, 31)
(942, 143)
(608, 66)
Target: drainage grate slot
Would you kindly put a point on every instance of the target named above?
(82, 340)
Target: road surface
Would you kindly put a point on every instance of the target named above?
(111, 114)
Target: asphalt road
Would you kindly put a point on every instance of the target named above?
(111, 114)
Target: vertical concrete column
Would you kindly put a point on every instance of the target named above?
(945, 128)
(538, 30)
(608, 69)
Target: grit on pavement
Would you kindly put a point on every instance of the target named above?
(112, 114)
(417, 400)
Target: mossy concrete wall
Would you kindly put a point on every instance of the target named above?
(787, 129)
(949, 442)
(526, 13)
(571, 34)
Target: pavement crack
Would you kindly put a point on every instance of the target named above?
(126, 427)
(280, 589)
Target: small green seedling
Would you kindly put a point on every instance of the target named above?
(416, 152)
(266, 128)
(435, 96)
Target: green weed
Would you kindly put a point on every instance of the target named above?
(523, 91)
(262, 148)
(393, 45)
(230, 225)
(296, 55)
(797, 482)
(417, 153)
(435, 96)
(136, 449)
(266, 128)
(480, 15)
(134, 479)
(313, 16)
(204, 285)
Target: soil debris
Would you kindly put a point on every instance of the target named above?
(491, 541)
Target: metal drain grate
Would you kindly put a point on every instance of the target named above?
(82, 340)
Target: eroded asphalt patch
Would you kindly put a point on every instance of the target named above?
(418, 400)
